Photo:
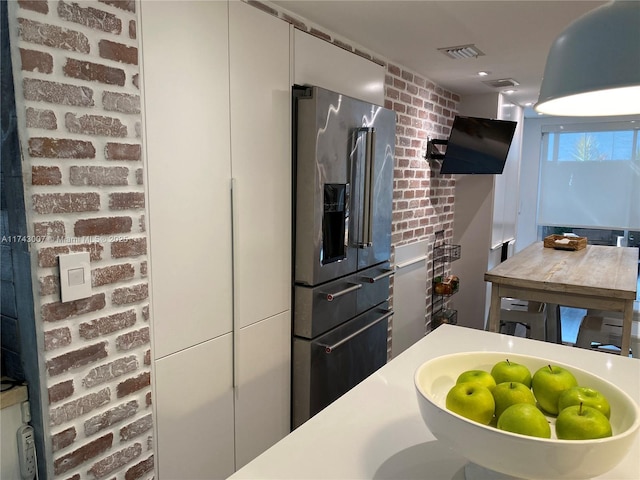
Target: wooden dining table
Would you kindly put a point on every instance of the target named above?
(598, 277)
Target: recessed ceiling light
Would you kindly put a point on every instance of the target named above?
(508, 92)
(528, 104)
(483, 73)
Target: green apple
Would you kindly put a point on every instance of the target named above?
(548, 383)
(589, 397)
(472, 401)
(506, 371)
(481, 377)
(525, 419)
(509, 393)
(579, 422)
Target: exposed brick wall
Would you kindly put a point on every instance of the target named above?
(79, 113)
(423, 200)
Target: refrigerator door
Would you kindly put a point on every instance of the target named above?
(344, 163)
(372, 191)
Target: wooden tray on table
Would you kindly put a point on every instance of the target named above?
(562, 242)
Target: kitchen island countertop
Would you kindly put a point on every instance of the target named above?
(375, 430)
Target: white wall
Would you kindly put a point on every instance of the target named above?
(472, 225)
(472, 231)
(485, 214)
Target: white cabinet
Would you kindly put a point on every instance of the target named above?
(317, 62)
(194, 415)
(261, 169)
(506, 189)
(216, 87)
(188, 170)
(263, 403)
(261, 162)
(409, 298)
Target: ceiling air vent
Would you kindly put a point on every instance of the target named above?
(501, 83)
(461, 51)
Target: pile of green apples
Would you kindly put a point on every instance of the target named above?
(511, 399)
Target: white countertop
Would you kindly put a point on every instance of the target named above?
(375, 430)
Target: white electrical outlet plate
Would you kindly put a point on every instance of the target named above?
(75, 276)
(27, 452)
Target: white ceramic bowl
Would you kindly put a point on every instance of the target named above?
(519, 455)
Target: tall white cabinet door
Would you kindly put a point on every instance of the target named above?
(507, 187)
(186, 115)
(261, 162)
(194, 412)
(264, 377)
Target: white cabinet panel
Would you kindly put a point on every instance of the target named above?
(194, 412)
(261, 162)
(188, 170)
(264, 383)
(409, 296)
(217, 100)
(11, 421)
(317, 62)
(510, 178)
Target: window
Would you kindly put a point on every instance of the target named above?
(590, 176)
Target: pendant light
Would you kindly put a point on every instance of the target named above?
(593, 67)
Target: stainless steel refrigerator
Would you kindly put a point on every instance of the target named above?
(343, 186)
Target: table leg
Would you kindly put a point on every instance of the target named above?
(494, 309)
(554, 328)
(627, 318)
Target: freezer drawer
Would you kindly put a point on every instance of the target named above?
(319, 309)
(375, 286)
(327, 367)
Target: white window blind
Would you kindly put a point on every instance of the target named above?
(590, 176)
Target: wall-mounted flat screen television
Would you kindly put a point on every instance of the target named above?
(477, 146)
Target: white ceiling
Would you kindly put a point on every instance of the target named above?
(514, 35)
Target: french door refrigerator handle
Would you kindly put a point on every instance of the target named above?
(369, 184)
(367, 207)
(331, 348)
(330, 296)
